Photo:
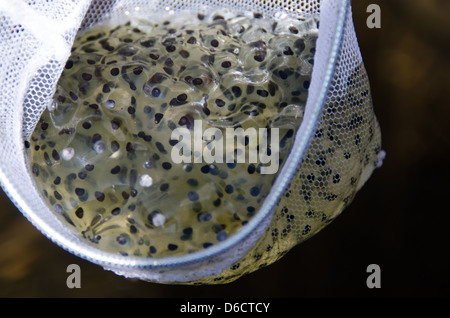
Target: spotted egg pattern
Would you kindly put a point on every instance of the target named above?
(344, 152)
(101, 155)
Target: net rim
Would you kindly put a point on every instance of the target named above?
(302, 140)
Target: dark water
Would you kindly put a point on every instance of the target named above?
(399, 220)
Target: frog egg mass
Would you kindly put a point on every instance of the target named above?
(102, 152)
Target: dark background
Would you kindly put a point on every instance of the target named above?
(399, 220)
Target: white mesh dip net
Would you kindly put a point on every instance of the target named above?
(183, 142)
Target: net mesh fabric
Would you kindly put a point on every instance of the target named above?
(344, 151)
(337, 147)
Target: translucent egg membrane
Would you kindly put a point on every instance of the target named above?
(102, 154)
(222, 222)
